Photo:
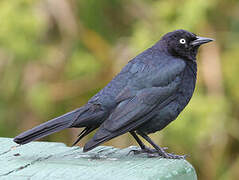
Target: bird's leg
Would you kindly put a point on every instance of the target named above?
(160, 150)
(144, 148)
(141, 144)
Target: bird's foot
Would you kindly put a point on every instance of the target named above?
(155, 153)
(168, 155)
(146, 150)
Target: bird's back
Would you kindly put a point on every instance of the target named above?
(106, 97)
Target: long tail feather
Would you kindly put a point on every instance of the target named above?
(83, 133)
(49, 127)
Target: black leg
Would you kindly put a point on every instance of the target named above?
(160, 150)
(141, 144)
(144, 148)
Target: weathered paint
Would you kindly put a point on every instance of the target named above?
(55, 161)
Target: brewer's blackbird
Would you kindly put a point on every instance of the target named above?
(148, 94)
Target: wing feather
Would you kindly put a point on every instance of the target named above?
(136, 106)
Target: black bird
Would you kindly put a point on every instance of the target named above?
(148, 94)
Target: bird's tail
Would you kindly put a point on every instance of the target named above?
(49, 127)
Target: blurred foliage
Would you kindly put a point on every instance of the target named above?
(55, 55)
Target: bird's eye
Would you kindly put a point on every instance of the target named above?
(182, 41)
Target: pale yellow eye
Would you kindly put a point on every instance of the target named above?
(182, 41)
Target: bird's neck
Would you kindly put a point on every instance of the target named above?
(161, 46)
(192, 68)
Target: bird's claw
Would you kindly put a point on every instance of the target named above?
(175, 156)
(155, 153)
(168, 155)
(146, 150)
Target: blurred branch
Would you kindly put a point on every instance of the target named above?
(70, 28)
(62, 12)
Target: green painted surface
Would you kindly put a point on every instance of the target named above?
(55, 161)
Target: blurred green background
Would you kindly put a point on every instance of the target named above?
(56, 54)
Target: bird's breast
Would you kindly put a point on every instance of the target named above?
(163, 116)
(188, 83)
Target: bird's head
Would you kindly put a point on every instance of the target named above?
(183, 44)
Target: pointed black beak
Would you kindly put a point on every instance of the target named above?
(201, 40)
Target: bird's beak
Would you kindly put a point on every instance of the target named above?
(201, 40)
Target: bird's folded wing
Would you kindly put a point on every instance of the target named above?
(134, 111)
